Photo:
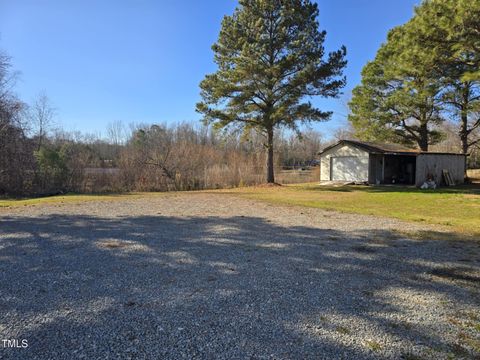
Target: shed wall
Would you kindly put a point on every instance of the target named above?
(339, 151)
(375, 172)
(434, 164)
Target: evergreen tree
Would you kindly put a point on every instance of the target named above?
(270, 59)
(450, 29)
(428, 68)
(399, 98)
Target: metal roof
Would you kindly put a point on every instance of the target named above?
(381, 148)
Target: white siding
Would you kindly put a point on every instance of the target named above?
(361, 163)
(349, 168)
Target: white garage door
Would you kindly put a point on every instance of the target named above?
(349, 168)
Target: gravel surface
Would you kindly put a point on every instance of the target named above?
(195, 275)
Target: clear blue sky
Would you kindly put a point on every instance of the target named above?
(141, 61)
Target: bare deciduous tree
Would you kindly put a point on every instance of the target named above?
(116, 132)
(41, 115)
(15, 153)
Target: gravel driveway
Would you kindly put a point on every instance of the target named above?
(208, 276)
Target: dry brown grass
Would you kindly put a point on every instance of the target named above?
(474, 175)
(297, 176)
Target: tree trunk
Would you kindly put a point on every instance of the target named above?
(464, 119)
(423, 141)
(270, 174)
(464, 124)
(464, 138)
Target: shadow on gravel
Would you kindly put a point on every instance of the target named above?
(209, 287)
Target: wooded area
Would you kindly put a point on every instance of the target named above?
(38, 158)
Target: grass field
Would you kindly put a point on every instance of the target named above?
(457, 208)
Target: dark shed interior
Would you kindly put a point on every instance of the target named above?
(392, 169)
(399, 169)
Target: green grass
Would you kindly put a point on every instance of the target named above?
(457, 209)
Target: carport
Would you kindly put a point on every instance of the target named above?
(392, 169)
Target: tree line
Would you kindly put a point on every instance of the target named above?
(270, 59)
(37, 157)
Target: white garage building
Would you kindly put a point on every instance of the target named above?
(357, 161)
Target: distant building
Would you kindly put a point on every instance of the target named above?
(357, 161)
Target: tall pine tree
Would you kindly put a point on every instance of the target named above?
(399, 98)
(271, 60)
(450, 29)
(428, 69)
